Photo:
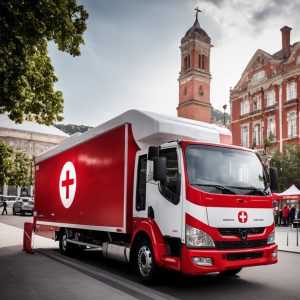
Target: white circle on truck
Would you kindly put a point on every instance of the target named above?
(67, 184)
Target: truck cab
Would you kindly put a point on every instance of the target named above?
(211, 208)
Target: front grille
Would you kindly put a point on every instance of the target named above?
(243, 256)
(240, 244)
(236, 231)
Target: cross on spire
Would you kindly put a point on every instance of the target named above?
(197, 11)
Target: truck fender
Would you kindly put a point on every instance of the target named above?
(147, 228)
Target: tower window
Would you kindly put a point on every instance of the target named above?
(201, 62)
(187, 62)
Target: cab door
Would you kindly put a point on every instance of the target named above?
(163, 199)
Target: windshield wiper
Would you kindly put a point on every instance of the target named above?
(216, 186)
(253, 188)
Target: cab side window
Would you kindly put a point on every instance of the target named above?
(141, 183)
(170, 189)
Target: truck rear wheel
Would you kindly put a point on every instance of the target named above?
(64, 246)
(145, 262)
(230, 272)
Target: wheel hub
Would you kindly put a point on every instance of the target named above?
(145, 260)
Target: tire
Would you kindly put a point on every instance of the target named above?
(144, 262)
(230, 272)
(64, 246)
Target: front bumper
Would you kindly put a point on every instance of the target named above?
(226, 259)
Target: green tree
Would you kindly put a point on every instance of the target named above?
(288, 166)
(6, 163)
(26, 73)
(15, 167)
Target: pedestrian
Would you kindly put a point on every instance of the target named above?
(285, 215)
(4, 207)
(290, 215)
(293, 213)
(276, 214)
(280, 217)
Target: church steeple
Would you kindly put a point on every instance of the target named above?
(194, 79)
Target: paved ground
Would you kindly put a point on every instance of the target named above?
(48, 275)
(286, 238)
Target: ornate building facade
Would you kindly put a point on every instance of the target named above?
(32, 139)
(194, 77)
(265, 101)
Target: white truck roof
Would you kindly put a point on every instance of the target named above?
(149, 129)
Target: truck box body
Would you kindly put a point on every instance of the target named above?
(104, 183)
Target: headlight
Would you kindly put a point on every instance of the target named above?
(271, 238)
(196, 238)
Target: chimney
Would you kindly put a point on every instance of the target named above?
(286, 45)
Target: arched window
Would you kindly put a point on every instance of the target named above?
(292, 124)
(245, 106)
(187, 62)
(291, 91)
(256, 135)
(245, 136)
(202, 62)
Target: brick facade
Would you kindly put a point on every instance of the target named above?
(265, 101)
(194, 79)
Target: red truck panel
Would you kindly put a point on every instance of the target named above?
(99, 201)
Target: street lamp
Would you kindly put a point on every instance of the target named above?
(224, 107)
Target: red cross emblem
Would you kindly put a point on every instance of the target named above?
(67, 184)
(242, 217)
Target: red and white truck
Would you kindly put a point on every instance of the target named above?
(158, 191)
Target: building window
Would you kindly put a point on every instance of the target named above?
(292, 124)
(187, 62)
(257, 103)
(245, 107)
(256, 135)
(201, 62)
(245, 136)
(258, 76)
(270, 98)
(271, 130)
(291, 91)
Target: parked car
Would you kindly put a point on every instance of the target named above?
(23, 205)
(10, 200)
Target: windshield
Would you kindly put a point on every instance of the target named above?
(226, 171)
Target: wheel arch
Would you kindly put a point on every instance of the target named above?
(148, 229)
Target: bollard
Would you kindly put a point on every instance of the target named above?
(287, 239)
(27, 237)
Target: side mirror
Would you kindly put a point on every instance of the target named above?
(153, 152)
(273, 179)
(159, 168)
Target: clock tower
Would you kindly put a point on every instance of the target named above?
(194, 77)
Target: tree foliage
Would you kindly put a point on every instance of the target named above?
(288, 166)
(15, 167)
(26, 73)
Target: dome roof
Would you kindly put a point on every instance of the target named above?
(196, 29)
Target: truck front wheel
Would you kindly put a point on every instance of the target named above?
(145, 262)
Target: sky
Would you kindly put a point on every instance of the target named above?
(131, 56)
